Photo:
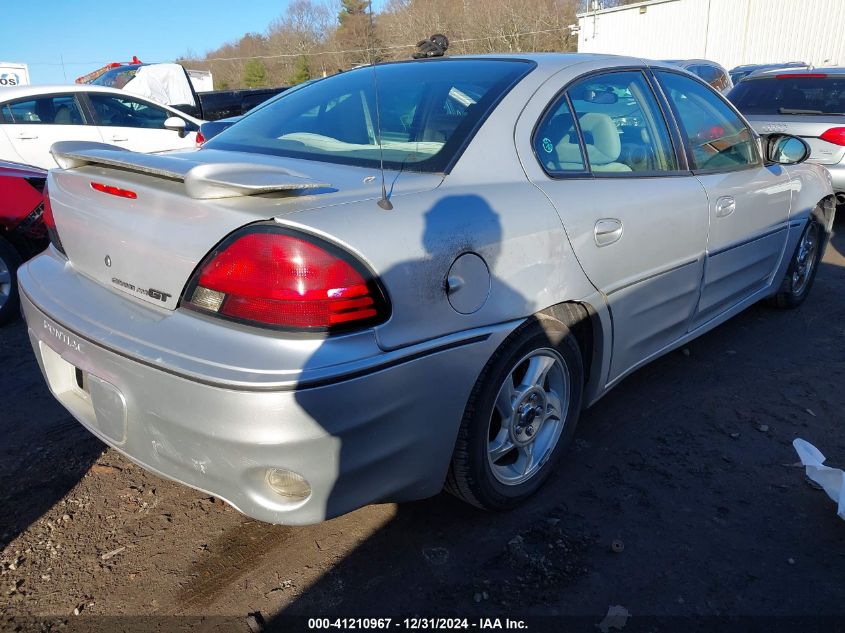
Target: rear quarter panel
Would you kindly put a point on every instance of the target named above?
(487, 206)
(810, 184)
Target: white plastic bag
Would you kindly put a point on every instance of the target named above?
(831, 479)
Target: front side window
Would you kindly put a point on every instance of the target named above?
(51, 110)
(718, 139)
(120, 111)
(621, 125)
(426, 112)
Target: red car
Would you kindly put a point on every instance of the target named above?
(22, 229)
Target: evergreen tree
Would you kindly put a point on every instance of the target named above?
(255, 74)
(301, 71)
(352, 9)
(357, 32)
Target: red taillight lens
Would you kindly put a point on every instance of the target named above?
(113, 191)
(200, 139)
(835, 135)
(271, 277)
(50, 222)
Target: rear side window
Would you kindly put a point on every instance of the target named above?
(556, 141)
(799, 94)
(717, 138)
(621, 125)
(51, 110)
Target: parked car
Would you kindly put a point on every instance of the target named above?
(806, 103)
(32, 118)
(277, 321)
(711, 72)
(210, 129)
(22, 231)
(741, 72)
(209, 106)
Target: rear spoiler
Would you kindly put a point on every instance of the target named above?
(202, 180)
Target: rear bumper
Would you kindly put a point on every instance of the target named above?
(384, 434)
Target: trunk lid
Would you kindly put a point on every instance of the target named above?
(809, 128)
(147, 247)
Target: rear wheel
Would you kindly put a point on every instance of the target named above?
(520, 418)
(9, 302)
(802, 269)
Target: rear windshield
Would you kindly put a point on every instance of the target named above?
(426, 113)
(794, 95)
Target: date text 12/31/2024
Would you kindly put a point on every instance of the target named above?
(417, 624)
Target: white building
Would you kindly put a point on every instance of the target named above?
(730, 32)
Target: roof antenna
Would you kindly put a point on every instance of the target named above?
(384, 202)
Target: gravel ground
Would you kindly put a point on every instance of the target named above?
(681, 498)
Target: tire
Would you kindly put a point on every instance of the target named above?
(801, 273)
(484, 471)
(9, 298)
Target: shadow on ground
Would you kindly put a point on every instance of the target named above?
(44, 452)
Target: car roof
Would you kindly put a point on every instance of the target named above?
(770, 65)
(8, 93)
(15, 92)
(552, 62)
(694, 62)
(779, 72)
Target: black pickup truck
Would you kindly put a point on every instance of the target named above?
(209, 106)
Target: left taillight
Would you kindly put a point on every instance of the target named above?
(268, 276)
(835, 135)
(50, 222)
(200, 139)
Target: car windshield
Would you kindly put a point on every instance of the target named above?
(797, 94)
(117, 77)
(426, 113)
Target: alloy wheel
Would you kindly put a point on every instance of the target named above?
(528, 417)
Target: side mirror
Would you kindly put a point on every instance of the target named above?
(176, 124)
(784, 149)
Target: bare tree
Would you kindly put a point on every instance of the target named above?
(317, 37)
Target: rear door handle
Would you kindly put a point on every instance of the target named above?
(119, 138)
(725, 206)
(24, 136)
(607, 231)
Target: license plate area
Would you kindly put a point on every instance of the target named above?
(97, 404)
(81, 379)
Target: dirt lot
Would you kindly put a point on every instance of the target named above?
(688, 466)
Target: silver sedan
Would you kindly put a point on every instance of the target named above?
(410, 275)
